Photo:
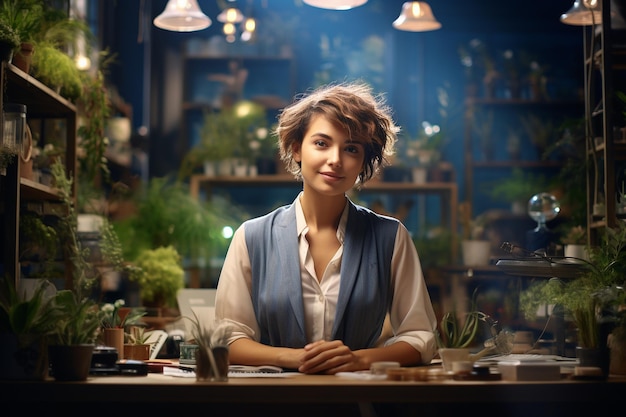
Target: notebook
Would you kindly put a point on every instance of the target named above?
(200, 301)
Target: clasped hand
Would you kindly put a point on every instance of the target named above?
(329, 357)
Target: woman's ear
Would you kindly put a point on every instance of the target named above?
(296, 151)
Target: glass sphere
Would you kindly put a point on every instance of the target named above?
(543, 207)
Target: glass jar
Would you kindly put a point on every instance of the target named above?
(14, 126)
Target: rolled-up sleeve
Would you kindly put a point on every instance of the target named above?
(412, 317)
(233, 301)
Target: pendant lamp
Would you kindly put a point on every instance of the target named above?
(583, 13)
(182, 16)
(335, 4)
(230, 15)
(416, 16)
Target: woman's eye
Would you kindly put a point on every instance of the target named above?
(320, 143)
(352, 149)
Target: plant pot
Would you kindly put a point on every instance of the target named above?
(617, 344)
(594, 358)
(420, 175)
(23, 361)
(114, 337)
(212, 364)
(22, 59)
(450, 355)
(70, 363)
(139, 352)
(576, 251)
(476, 252)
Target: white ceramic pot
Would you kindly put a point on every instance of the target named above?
(576, 251)
(476, 252)
(451, 355)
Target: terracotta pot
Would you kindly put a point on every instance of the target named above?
(24, 56)
(114, 337)
(137, 352)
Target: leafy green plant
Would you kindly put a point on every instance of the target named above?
(591, 298)
(137, 336)
(8, 35)
(79, 318)
(27, 316)
(160, 276)
(114, 315)
(519, 187)
(191, 226)
(57, 70)
(455, 331)
(434, 248)
(227, 133)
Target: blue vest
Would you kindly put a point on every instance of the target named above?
(365, 290)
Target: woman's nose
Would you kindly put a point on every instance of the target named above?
(334, 156)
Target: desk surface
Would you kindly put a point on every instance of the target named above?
(156, 389)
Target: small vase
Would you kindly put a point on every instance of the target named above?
(114, 337)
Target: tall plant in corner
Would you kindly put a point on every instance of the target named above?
(79, 316)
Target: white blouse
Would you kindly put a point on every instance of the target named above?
(411, 316)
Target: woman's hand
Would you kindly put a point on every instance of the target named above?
(330, 357)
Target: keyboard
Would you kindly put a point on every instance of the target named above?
(526, 358)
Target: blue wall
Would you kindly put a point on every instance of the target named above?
(416, 64)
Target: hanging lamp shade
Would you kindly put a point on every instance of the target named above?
(416, 16)
(335, 4)
(583, 13)
(182, 16)
(230, 15)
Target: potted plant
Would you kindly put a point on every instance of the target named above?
(9, 40)
(191, 226)
(115, 319)
(226, 135)
(25, 18)
(475, 248)
(517, 189)
(51, 32)
(160, 276)
(78, 318)
(589, 301)
(457, 333)
(574, 240)
(136, 344)
(211, 355)
(26, 320)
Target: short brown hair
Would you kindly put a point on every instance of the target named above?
(365, 116)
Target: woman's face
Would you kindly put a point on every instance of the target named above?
(330, 160)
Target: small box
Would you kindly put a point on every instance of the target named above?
(525, 371)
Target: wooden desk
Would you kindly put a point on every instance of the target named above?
(317, 395)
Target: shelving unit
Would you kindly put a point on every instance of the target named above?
(605, 73)
(42, 104)
(500, 162)
(447, 192)
(270, 82)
